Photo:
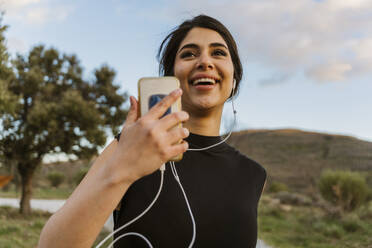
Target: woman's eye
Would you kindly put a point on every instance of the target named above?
(219, 53)
(187, 55)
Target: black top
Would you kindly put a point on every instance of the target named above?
(223, 188)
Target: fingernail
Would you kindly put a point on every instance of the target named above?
(184, 115)
(131, 101)
(178, 91)
(186, 131)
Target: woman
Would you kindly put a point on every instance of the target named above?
(222, 185)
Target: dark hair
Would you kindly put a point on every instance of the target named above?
(169, 46)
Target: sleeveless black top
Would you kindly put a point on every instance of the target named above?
(223, 188)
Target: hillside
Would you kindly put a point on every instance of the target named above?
(291, 156)
(297, 157)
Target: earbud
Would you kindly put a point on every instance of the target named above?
(233, 88)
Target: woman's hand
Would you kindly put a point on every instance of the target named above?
(147, 142)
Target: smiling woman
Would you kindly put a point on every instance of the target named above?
(171, 45)
(222, 186)
(204, 67)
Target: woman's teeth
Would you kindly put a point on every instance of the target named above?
(203, 80)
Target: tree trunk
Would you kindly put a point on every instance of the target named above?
(26, 173)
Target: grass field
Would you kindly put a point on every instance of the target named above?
(18, 231)
(299, 227)
(309, 227)
(40, 193)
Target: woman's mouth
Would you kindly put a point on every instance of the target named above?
(204, 83)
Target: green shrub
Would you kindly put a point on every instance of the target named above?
(7, 230)
(351, 222)
(369, 195)
(343, 188)
(276, 212)
(352, 225)
(56, 178)
(334, 231)
(276, 187)
(365, 212)
(319, 226)
(80, 175)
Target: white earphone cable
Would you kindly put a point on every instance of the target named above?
(174, 171)
(135, 219)
(234, 111)
(131, 233)
(175, 174)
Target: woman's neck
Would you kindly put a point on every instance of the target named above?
(207, 125)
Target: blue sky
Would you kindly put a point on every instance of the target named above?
(307, 64)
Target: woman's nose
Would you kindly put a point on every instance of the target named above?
(205, 62)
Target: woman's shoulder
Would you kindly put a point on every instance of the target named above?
(247, 163)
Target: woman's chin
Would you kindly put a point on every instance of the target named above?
(205, 104)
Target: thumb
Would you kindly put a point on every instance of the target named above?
(133, 111)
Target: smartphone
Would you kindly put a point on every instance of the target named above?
(152, 90)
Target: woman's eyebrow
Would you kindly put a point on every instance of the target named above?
(190, 45)
(194, 46)
(217, 44)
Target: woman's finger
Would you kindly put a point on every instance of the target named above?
(161, 107)
(176, 134)
(171, 120)
(133, 112)
(178, 149)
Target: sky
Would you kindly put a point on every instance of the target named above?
(307, 64)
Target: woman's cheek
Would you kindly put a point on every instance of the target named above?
(182, 76)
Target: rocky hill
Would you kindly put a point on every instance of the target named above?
(297, 158)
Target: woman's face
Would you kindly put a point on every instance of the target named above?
(204, 67)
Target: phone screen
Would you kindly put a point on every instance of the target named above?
(154, 99)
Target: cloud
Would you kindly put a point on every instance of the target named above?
(35, 12)
(16, 4)
(347, 4)
(330, 72)
(16, 44)
(37, 15)
(274, 79)
(326, 40)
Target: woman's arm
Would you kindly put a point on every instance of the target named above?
(146, 143)
(79, 221)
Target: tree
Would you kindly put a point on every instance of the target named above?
(7, 99)
(59, 112)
